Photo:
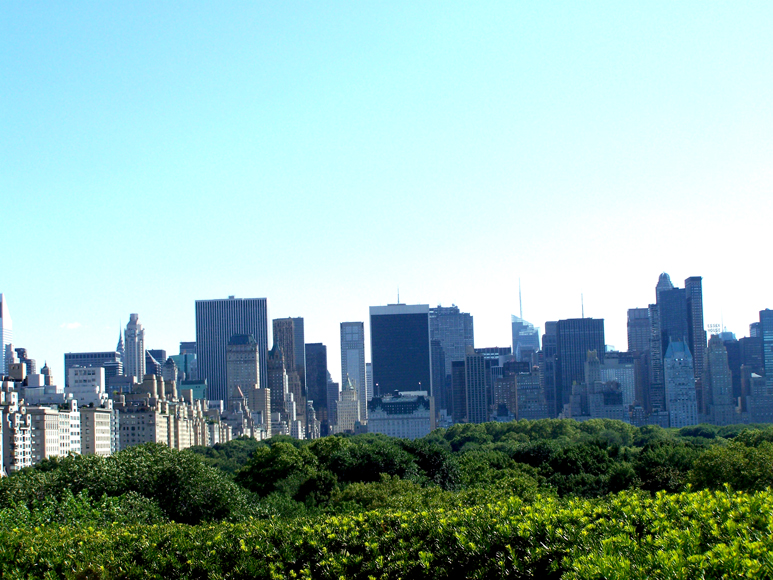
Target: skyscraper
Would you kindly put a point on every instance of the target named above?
(6, 333)
(451, 332)
(316, 382)
(766, 329)
(696, 336)
(574, 338)
(681, 401)
(353, 361)
(216, 322)
(525, 338)
(639, 330)
(477, 373)
(284, 336)
(400, 348)
(278, 384)
(718, 384)
(242, 363)
(547, 368)
(134, 348)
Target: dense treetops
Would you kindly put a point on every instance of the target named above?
(572, 482)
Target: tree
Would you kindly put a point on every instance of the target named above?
(743, 468)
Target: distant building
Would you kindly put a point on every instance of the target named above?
(188, 347)
(134, 345)
(766, 329)
(459, 391)
(369, 380)
(316, 383)
(719, 384)
(216, 322)
(353, 361)
(403, 415)
(242, 363)
(620, 368)
(347, 409)
(547, 368)
(477, 381)
(639, 330)
(87, 386)
(278, 385)
(96, 429)
(574, 338)
(532, 403)
(400, 348)
(289, 334)
(525, 338)
(110, 359)
(681, 399)
(451, 332)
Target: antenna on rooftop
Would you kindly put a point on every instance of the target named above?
(398, 294)
(520, 301)
(582, 304)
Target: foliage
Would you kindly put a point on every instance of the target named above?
(228, 457)
(741, 467)
(185, 489)
(629, 535)
(665, 464)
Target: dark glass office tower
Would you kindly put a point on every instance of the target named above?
(696, 336)
(216, 322)
(400, 348)
(766, 325)
(574, 338)
(316, 381)
(672, 305)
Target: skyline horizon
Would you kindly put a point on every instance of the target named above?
(334, 346)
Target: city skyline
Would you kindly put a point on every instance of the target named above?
(445, 150)
(620, 345)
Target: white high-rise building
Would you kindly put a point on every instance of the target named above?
(353, 361)
(87, 386)
(347, 409)
(134, 348)
(6, 334)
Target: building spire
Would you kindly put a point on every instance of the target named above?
(520, 301)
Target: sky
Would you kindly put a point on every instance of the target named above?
(326, 154)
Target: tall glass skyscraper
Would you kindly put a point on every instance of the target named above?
(574, 338)
(216, 322)
(6, 332)
(400, 348)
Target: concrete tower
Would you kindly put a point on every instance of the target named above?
(134, 348)
(681, 401)
(353, 361)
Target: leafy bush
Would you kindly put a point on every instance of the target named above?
(630, 535)
(186, 490)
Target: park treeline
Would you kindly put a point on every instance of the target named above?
(527, 499)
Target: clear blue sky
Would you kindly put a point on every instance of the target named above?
(324, 154)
